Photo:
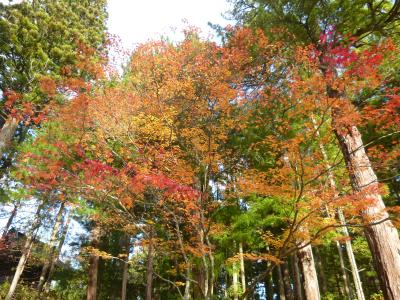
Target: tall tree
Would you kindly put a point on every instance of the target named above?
(40, 43)
(365, 21)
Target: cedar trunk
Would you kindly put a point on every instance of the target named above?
(382, 236)
(311, 287)
(7, 133)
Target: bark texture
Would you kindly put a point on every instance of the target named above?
(7, 133)
(311, 287)
(382, 237)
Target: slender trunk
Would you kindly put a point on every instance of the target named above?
(297, 280)
(352, 259)
(269, 293)
(242, 269)
(206, 268)
(149, 267)
(7, 133)
(282, 295)
(186, 296)
(186, 258)
(235, 281)
(211, 282)
(25, 254)
(349, 248)
(226, 284)
(311, 287)
(287, 282)
(58, 251)
(345, 276)
(52, 244)
(125, 268)
(11, 219)
(322, 276)
(382, 237)
(93, 266)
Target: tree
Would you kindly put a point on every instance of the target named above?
(327, 24)
(40, 44)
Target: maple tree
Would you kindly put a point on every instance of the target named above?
(210, 171)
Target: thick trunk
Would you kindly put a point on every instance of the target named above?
(382, 236)
(242, 269)
(311, 287)
(346, 279)
(52, 244)
(11, 219)
(25, 254)
(7, 133)
(93, 266)
(58, 250)
(296, 276)
(149, 267)
(349, 248)
(125, 269)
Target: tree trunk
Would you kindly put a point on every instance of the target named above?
(297, 280)
(52, 244)
(349, 248)
(7, 133)
(25, 253)
(235, 281)
(322, 276)
(287, 282)
(346, 279)
(125, 270)
(149, 267)
(311, 287)
(11, 219)
(59, 248)
(269, 286)
(382, 236)
(352, 259)
(93, 266)
(282, 295)
(242, 269)
(186, 296)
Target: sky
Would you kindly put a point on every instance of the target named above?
(136, 21)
